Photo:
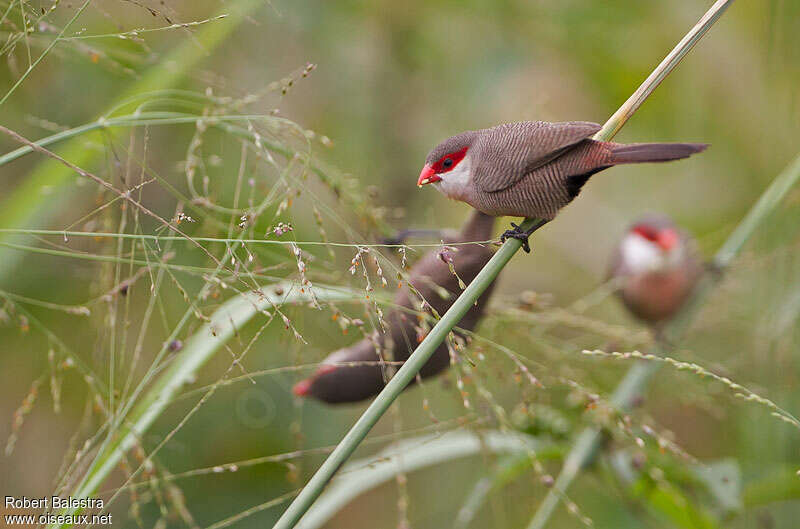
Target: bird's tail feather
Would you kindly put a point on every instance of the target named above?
(653, 152)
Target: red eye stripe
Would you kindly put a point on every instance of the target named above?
(456, 157)
(647, 232)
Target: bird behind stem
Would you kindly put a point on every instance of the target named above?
(358, 372)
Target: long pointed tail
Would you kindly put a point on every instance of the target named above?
(653, 152)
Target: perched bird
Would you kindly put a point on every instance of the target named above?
(531, 168)
(657, 267)
(431, 277)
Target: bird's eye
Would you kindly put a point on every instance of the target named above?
(447, 163)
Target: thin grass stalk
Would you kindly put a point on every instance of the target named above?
(47, 50)
(415, 454)
(140, 119)
(636, 378)
(589, 439)
(197, 350)
(423, 352)
(27, 203)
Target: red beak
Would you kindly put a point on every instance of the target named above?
(667, 239)
(427, 176)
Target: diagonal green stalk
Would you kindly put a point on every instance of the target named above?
(423, 352)
(631, 385)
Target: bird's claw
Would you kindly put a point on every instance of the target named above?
(716, 270)
(519, 234)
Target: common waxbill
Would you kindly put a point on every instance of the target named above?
(430, 276)
(531, 168)
(657, 266)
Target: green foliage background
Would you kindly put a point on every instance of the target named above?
(391, 80)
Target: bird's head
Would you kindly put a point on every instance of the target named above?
(652, 244)
(449, 165)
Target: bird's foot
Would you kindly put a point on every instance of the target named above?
(520, 234)
(716, 270)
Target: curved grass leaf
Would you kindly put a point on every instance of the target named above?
(198, 349)
(409, 455)
(46, 190)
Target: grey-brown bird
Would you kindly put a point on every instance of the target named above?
(657, 266)
(431, 277)
(532, 168)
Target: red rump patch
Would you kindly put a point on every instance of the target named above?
(303, 388)
(443, 166)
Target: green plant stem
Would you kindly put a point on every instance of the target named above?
(414, 454)
(588, 440)
(197, 350)
(636, 378)
(423, 352)
(398, 382)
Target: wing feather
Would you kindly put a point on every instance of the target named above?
(508, 152)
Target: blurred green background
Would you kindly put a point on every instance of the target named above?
(388, 81)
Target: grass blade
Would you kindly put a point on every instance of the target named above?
(28, 203)
(416, 453)
(197, 350)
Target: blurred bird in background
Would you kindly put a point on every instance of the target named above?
(337, 382)
(657, 266)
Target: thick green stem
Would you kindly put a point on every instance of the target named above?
(424, 351)
(398, 382)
